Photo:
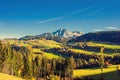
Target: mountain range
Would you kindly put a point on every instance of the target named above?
(65, 36)
(58, 34)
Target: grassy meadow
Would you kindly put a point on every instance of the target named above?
(43, 44)
(109, 73)
(99, 44)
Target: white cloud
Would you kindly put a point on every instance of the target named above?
(51, 19)
(97, 11)
(61, 17)
(78, 11)
(4, 35)
(101, 9)
(98, 30)
(111, 28)
(106, 28)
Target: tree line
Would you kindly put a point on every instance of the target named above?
(23, 63)
(83, 60)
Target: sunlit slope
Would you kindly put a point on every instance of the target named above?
(8, 77)
(37, 46)
(48, 55)
(94, 47)
(108, 73)
(99, 44)
(41, 43)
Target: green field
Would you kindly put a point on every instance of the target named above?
(48, 44)
(82, 51)
(92, 47)
(43, 44)
(109, 73)
(48, 55)
(99, 44)
(8, 77)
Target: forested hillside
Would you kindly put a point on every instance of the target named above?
(103, 36)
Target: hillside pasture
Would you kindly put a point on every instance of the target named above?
(109, 73)
(99, 44)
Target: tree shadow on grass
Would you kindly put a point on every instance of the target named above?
(107, 76)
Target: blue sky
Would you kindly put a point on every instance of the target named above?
(32, 17)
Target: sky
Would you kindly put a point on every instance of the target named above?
(32, 17)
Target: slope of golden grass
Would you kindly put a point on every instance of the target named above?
(8, 77)
(42, 43)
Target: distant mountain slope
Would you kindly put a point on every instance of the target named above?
(103, 36)
(66, 34)
(61, 33)
(58, 35)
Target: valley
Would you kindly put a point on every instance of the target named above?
(59, 39)
(45, 57)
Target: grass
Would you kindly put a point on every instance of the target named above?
(42, 43)
(45, 44)
(109, 47)
(8, 77)
(51, 55)
(87, 52)
(99, 44)
(109, 73)
(48, 55)
(82, 51)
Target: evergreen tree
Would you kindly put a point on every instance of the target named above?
(6, 59)
(44, 67)
(59, 66)
(69, 67)
(16, 63)
(53, 65)
(27, 71)
(38, 60)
